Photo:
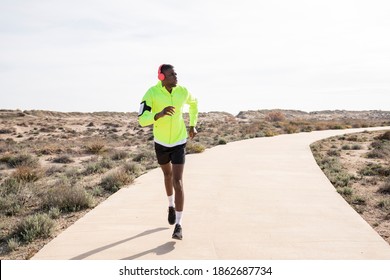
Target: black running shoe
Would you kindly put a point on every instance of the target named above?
(171, 215)
(177, 233)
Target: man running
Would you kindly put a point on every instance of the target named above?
(162, 106)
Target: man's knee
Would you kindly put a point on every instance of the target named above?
(178, 184)
(167, 174)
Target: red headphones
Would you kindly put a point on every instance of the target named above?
(161, 75)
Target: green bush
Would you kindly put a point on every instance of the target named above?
(340, 179)
(54, 213)
(145, 155)
(34, 227)
(98, 167)
(358, 200)
(13, 196)
(373, 169)
(11, 204)
(333, 153)
(63, 159)
(22, 159)
(384, 204)
(357, 147)
(133, 168)
(67, 198)
(119, 155)
(346, 191)
(114, 181)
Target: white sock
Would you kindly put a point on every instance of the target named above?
(179, 216)
(171, 201)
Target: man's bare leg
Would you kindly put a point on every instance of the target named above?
(167, 170)
(177, 179)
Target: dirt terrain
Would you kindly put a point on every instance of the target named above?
(55, 166)
(358, 165)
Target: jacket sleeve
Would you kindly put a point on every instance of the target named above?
(193, 111)
(146, 114)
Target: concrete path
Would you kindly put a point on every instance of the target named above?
(263, 198)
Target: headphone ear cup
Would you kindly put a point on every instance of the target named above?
(161, 76)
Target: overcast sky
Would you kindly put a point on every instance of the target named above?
(92, 55)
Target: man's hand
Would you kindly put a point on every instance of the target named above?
(193, 132)
(167, 111)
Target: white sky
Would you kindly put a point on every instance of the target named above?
(92, 55)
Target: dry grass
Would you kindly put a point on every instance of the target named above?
(54, 167)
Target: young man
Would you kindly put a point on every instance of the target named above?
(162, 106)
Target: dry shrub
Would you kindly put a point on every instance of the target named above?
(320, 126)
(51, 149)
(13, 244)
(381, 149)
(6, 131)
(27, 174)
(385, 188)
(291, 128)
(385, 136)
(275, 116)
(194, 148)
(333, 153)
(269, 133)
(377, 153)
(95, 147)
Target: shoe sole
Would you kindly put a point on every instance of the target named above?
(177, 237)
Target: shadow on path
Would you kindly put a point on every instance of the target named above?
(97, 250)
(160, 250)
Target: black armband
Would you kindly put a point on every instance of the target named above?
(144, 107)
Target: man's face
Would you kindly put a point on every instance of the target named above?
(170, 78)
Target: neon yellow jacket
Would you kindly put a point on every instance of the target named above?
(168, 131)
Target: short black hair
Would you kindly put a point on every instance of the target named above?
(166, 67)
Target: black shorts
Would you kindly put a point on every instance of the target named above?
(175, 154)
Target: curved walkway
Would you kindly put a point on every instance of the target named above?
(262, 198)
